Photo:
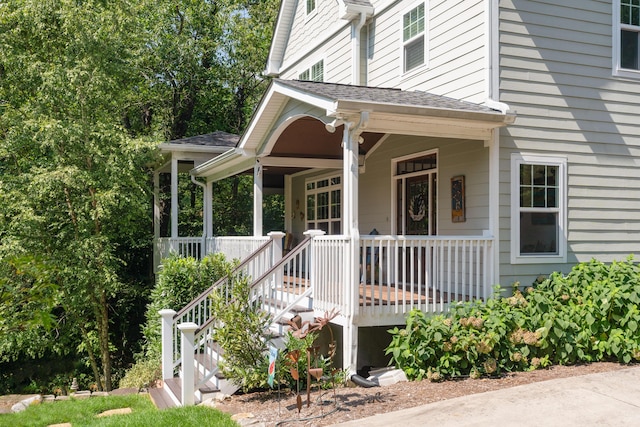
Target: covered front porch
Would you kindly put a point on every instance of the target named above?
(390, 202)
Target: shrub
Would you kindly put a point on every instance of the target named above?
(587, 315)
(240, 331)
(143, 374)
(179, 281)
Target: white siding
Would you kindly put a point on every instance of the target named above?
(321, 36)
(456, 50)
(555, 72)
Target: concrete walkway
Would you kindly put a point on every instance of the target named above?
(603, 399)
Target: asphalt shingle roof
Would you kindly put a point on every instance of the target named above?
(391, 96)
(215, 139)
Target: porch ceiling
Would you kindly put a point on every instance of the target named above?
(307, 138)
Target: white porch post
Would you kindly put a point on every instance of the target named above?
(208, 208)
(493, 275)
(174, 198)
(166, 334)
(257, 199)
(156, 219)
(350, 172)
(187, 350)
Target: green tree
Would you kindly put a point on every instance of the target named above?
(74, 185)
(87, 88)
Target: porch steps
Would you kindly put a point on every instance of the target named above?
(161, 398)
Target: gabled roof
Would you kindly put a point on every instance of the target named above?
(390, 111)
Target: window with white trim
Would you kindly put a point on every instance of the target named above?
(626, 37)
(311, 6)
(538, 209)
(324, 204)
(414, 39)
(315, 73)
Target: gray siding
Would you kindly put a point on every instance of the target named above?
(555, 71)
(455, 157)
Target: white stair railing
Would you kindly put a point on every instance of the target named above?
(198, 311)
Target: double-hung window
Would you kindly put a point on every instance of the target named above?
(627, 37)
(538, 209)
(414, 39)
(315, 73)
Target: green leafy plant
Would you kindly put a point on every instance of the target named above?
(590, 314)
(240, 331)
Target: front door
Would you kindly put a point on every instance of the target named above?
(416, 184)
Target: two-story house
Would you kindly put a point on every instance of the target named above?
(443, 147)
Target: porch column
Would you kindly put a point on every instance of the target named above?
(350, 188)
(208, 208)
(174, 197)
(156, 219)
(257, 199)
(493, 276)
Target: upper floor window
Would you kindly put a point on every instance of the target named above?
(627, 37)
(414, 38)
(538, 213)
(315, 73)
(311, 6)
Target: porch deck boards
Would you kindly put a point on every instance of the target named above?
(384, 294)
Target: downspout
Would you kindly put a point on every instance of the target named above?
(356, 41)
(492, 78)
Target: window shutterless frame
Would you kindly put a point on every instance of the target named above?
(538, 209)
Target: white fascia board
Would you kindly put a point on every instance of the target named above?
(271, 107)
(300, 95)
(280, 37)
(191, 148)
(217, 162)
(497, 119)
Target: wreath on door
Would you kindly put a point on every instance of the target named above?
(417, 208)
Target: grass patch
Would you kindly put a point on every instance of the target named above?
(82, 412)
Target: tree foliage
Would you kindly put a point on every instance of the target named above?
(87, 88)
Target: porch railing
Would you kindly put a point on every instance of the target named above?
(233, 247)
(400, 273)
(198, 311)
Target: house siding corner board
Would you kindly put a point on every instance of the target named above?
(455, 55)
(556, 72)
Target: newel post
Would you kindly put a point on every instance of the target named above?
(312, 254)
(277, 246)
(166, 335)
(187, 350)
